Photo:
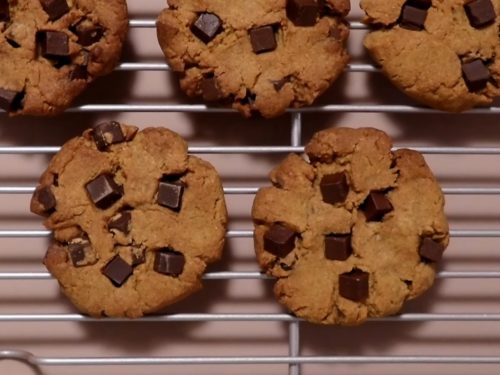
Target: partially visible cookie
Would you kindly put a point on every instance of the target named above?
(442, 53)
(258, 56)
(135, 218)
(51, 50)
(353, 233)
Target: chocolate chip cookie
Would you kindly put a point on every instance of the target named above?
(352, 232)
(51, 50)
(442, 53)
(135, 219)
(259, 56)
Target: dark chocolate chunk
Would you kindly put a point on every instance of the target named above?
(210, 90)
(107, 133)
(376, 206)
(480, 12)
(431, 250)
(104, 191)
(169, 262)
(55, 8)
(76, 253)
(354, 285)
(303, 12)
(170, 192)
(413, 18)
(338, 247)
(118, 271)
(334, 188)
(121, 222)
(53, 44)
(278, 85)
(79, 72)
(206, 27)
(422, 4)
(11, 100)
(46, 198)
(263, 39)
(476, 74)
(4, 11)
(87, 32)
(12, 42)
(279, 240)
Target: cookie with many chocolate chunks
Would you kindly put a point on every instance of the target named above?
(258, 56)
(442, 53)
(353, 233)
(51, 50)
(135, 219)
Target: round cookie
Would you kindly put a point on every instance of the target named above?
(259, 56)
(51, 50)
(355, 232)
(442, 53)
(135, 218)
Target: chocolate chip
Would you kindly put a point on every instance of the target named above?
(279, 240)
(480, 12)
(46, 198)
(422, 4)
(118, 271)
(413, 18)
(4, 11)
(334, 188)
(53, 44)
(121, 222)
(206, 27)
(55, 8)
(263, 39)
(210, 90)
(303, 12)
(87, 32)
(338, 247)
(476, 74)
(11, 100)
(107, 133)
(354, 285)
(170, 192)
(376, 206)
(169, 262)
(79, 72)
(104, 191)
(431, 250)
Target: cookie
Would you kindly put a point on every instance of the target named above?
(259, 56)
(352, 233)
(443, 53)
(135, 219)
(51, 50)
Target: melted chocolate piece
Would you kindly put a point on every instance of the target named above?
(169, 262)
(376, 206)
(338, 247)
(431, 250)
(55, 8)
(11, 100)
(87, 32)
(79, 72)
(118, 271)
(279, 240)
(170, 192)
(334, 188)
(121, 222)
(476, 74)
(354, 285)
(480, 12)
(53, 44)
(4, 11)
(206, 27)
(210, 90)
(104, 191)
(46, 198)
(107, 133)
(263, 39)
(303, 12)
(413, 18)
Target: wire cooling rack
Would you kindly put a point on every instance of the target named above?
(458, 319)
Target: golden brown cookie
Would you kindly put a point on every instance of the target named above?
(258, 56)
(51, 50)
(135, 218)
(353, 233)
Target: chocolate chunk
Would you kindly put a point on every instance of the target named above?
(76, 253)
(12, 42)
(46, 198)
(422, 4)
(118, 271)
(476, 74)
(354, 285)
(263, 39)
(138, 256)
(107, 133)
(210, 90)
(376, 206)
(79, 72)
(4, 11)
(431, 250)
(121, 222)
(104, 191)
(303, 12)
(11, 100)
(170, 193)
(55, 8)
(206, 27)
(338, 247)
(53, 44)
(413, 18)
(87, 32)
(334, 188)
(169, 262)
(480, 12)
(278, 85)
(279, 240)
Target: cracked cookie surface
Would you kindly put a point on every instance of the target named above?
(443, 53)
(135, 219)
(258, 56)
(51, 50)
(353, 233)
